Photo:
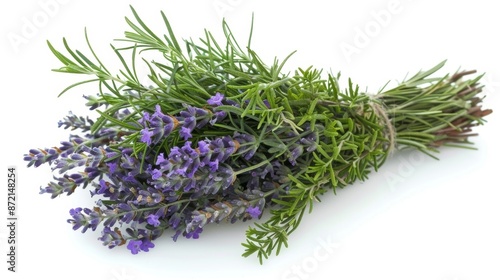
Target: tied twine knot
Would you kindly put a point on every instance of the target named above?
(390, 131)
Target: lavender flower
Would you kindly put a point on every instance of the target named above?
(111, 238)
(125, 211)
(192, 118)
(38, 157)
(310, 142)
(112, 167)
(254, 212)
(146, 135)
(75, 122)
(87, 219)
(149, 197)
(175, 220)
(68, 183)
(217, 151)
(156, 126)
(104, 186)
(106, 189)
(219, 116)
(159, 125)
(185, 133)
(195, 234)
(74, 145)
(78, 217)
(146, 245)
(205, 161)
(134, 246)
(152, 219)
(216, 100)
(176, 235)
(185, 160)
(155, 174)
(295, 152)
(248, 146)
(94, 101)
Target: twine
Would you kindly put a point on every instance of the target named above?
(390, 130)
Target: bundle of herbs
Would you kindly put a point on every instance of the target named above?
(219, 136)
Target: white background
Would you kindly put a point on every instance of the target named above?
(417, 218)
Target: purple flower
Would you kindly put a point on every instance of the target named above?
(214, 165)
(76, 122)
(195, 234)
(216, 100)
(309, 142)
(220, 149)
(130, 177)
(104, 187)
(156, 126)
(198, 220)
(232, 103)
(174, 220)
(158, 113)
(185, 161)
(145, 119)
(125, 208)
(78, 178)
(155, 174)
(75, 211)
(111, 238)
(191, 183)
(295, 153)
(175, 154)
(87, 219)
(254, 212)
(93, 217)
(134, 246)
(248, 146)
(218, 116)
(78, 220)
(189, 120)
(185, 133)
(266, 102)
(160, 159)
(153, 220)
(188, 150)
(149, 197)
(176, 235)
(181, 171)
(146, 245)
(112, 167)
(203, 147)
(221, 179)
(146, 136)
(37, 157)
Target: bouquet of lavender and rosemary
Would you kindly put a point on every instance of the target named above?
(219, 136)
